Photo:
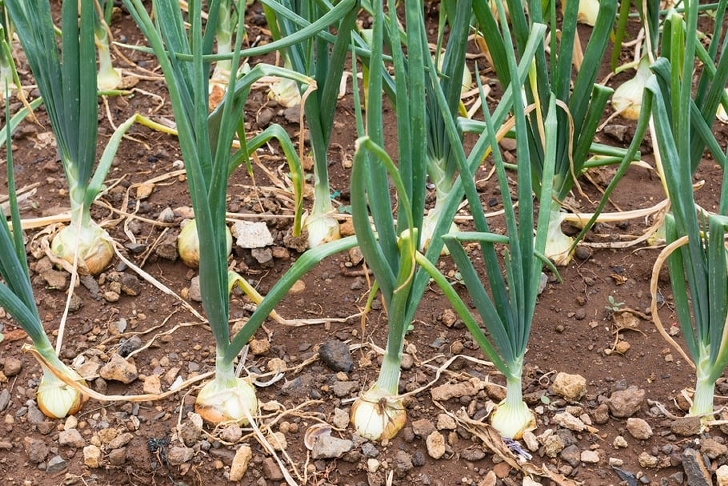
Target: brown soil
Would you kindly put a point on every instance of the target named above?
(573, 331)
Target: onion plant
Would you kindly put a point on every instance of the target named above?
(55, 398)
(696, 252)
(584, 101)
(323, 60)
(67, 84)
(108, 77)
(389, 247)
(206, 143)
(507, 311)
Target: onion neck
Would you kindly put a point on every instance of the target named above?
(705, 386)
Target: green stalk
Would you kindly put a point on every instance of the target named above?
(68, 86)
(55, 398)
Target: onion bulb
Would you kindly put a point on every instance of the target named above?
(721, 114)
(377, 415)
(55, 398)
(93, 242)
(227, 400)
(513, 419)
(627, 98)
(321, 229)
(188, 244)
(558, 245)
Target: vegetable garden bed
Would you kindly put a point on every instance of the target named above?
(594, 323)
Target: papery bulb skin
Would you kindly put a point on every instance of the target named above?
(229, 401)
(94, 247)
(512, 421)
(627, 98)
(58, 400)
(376, 415)
(321, 229)
(188, 244)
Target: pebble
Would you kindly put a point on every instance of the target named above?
(568, 421)
(328, 447)
(686, 426)
(240, 462)
(121, 440)
(447, 391)
(422, 427)
(625, 403)
(271, 471)
(529, 438)
(35, 449)
(721, 475)
(336, 355)
(620, 442)
(369, 450)
(572, 455)
(119, 369)
(259, 347)
(130, 285)
(435, 445)
(344, 389)
(177, 455)
(341, 418)
(695, 470)
(232, 433)
(569, 387)
(589, 457)
(647, 460)
(35, 416)
(553, 445)
(4, 399)
(638, 428)
(251, 234)
(278, 441)
(402, 464)
(601, 414)
(92, 456)
(71, 438)
(56, 464)
(12, 366)
(117, 457)
(152, 385)
(446, 422)
(712, 448)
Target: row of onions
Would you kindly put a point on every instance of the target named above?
(552, 120)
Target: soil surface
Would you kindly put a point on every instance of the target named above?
(594, 323)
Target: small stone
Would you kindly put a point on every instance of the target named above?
(4, 399)
(55, 279)
(35, 449)
(231, 433)
(144, 190)
(240, 462)
(422, 427)
(179, 455)
(589, 457)
(553, 445)
(117, 457)
(712, 448)
(167, 248)
(251, 234)
(111, 296)
(435, 445)
(71, 438)
(12, 366)
(625, 403)
(686, 426)
(695, 470)
(271, 471)
(343, 389)
(568, 421)
(502, 470)
(121, 440)
(55, 465)
(569, 387)
(341, 418)
(278, 441)
(329, 447)
(446, 422)
(335, 354)
(259, 347)
(131, 285)
(572, 455)
(152, 385)
(721, 475)
(638, 428)
(620, 442)
(189, 431)
(92, 456)
(529, 438)
(119, 369)
(447, 391)
(601, 414)
(647, 460)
